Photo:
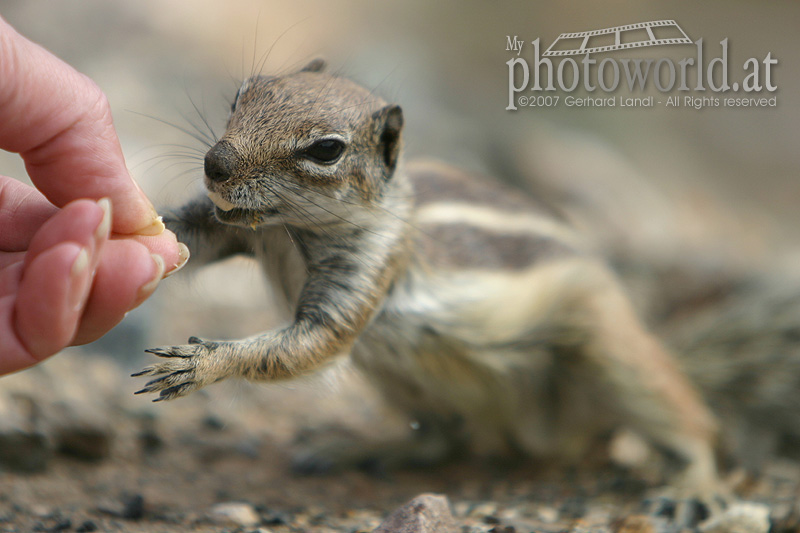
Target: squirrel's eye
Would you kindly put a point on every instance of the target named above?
(326, 151)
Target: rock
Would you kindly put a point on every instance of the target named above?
(80, 431)
(22, 451)
(548, 515)
(235, 513)
(741, 517)
(40, 510)
(629, 449)
(87, 527)
(461, 509)
(483, 510)
(272, 517)
(52, 522)
(62, 524)
(84, 442)
(427, 513)
(24, 447)
(150, 439)
(131, 507)
(214, 422)
(501, 529)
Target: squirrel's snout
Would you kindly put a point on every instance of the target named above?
(219, 162)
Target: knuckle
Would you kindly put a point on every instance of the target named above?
(97, 101)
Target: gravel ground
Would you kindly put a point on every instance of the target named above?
(221, 462)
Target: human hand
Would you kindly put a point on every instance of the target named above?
(70, 268)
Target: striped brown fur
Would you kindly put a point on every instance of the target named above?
(471, 307)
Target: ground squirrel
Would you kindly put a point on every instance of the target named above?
(473, 309)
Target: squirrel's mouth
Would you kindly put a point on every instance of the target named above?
(229, 213)
(221, 202)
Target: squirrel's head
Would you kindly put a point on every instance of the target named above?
(303, 149)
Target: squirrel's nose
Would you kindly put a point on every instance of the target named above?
(219, 162)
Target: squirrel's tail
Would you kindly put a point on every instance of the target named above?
(744, 355)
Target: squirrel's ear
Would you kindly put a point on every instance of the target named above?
(316, 65)
(388, 127)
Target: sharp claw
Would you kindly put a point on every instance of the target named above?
(146, 388)
(164, 352)
(149, 371)
(160, 353)
(149, 384)
(157, 380)
(175, 390)
(164, 378)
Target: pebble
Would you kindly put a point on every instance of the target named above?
(461, 508)
(87, 527)
(548, 515)
(41, 510)
(24, 447)
(272, 517)
(741, 517)
(236, 513)
(214, 422)
(130, 507)
(84, 440)
(491, 520)
(427, 513)
(150, 439)
(483, 510)
(62, 524)
(629, 450)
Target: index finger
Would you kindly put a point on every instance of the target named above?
(60, 122)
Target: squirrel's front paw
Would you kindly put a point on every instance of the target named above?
(187, 369)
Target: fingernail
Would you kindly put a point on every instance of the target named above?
(148, 288)
(156, 227)
(105, 225)
(81, 263)
(77, 288)
(183, 258)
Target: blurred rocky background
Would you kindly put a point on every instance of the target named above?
(685, 203)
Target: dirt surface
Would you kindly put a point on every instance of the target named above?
(168, 466)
